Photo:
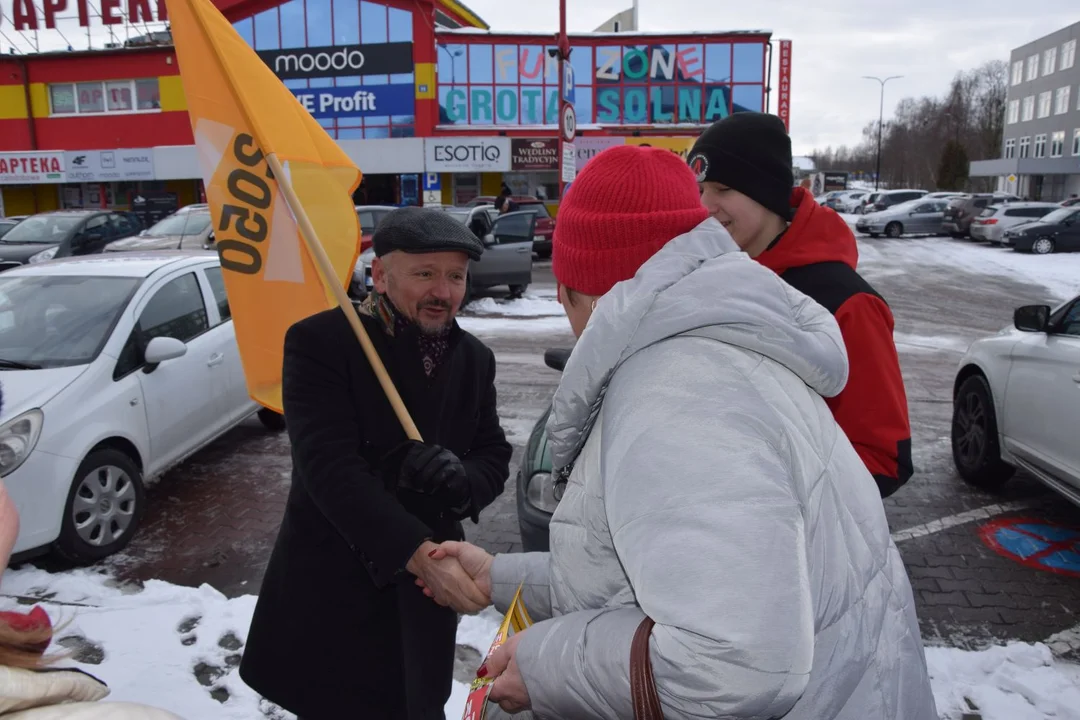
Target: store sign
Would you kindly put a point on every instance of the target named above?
(656, 105)
(368, 101)
(25, 14)
(27, 168)
(679, 145)
(534, 154)
(109, 165)
(586, 148)
(784, 99)
(836, 181)
(467, 154)
(340, 60)
(569, 163)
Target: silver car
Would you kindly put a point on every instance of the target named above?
(189, 228)
(994, 220)
(915, 217)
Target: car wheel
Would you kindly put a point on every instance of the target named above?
(103, 508)
(1043, 246)
(975, 447)
(516, 291)
(273, 421)
(894, 230)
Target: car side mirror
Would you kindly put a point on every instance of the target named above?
(162, 349)
(1032, 318)
(489, 239)
(556, 358)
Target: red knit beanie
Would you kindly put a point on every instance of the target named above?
(626, 204)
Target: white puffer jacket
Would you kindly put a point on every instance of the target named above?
(712, 490)
(64, 694)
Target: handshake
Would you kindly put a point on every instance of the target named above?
(454, 574)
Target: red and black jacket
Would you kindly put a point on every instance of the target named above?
(817, 255)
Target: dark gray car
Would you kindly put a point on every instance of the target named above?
(64, 233)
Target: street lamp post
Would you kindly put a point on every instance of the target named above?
(881, 122)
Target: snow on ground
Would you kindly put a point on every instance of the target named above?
(156, 643)
(1059, 273)
(930, 343)
(538, 312)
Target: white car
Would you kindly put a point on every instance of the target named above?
(1016, 402)
(114, 369)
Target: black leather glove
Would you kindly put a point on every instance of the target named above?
(436, 472)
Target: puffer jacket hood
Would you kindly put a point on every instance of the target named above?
(697, 284)
(817, 234)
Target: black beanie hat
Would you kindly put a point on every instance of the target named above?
(749, 152)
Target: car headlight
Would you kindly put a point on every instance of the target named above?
(542, 492)
(44, 255)
(17, 440)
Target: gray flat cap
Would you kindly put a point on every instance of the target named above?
(424, 230)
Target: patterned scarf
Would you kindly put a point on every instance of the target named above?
(432, 347)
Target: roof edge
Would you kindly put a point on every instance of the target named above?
(463, 12)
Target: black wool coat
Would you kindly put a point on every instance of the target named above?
(336, 602)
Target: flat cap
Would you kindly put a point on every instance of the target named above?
(424, 230)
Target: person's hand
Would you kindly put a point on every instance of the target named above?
(508, 690)
(446, 581)
(475, 561)
(434, 470)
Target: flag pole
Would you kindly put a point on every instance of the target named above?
(326, 269)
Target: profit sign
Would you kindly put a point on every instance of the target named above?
(340, 60)
(243, 225)
(25, 15)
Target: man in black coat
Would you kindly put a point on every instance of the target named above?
(341, 629)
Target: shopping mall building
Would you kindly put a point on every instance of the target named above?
(431, 104)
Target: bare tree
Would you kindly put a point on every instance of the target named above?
(971, 115)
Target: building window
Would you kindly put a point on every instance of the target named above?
(1033, 67)
(1014, 111)
(1057, 144)
(1010, 148)
(1018, 72)
(1029, 108)
(1068, 55)
(1061, 101)
(1076, 141)
(1040, 146)
(1045, 100)
(109, 97)
(1025, 147)
(1050, 61)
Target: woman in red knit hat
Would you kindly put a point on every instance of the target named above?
(713, 507)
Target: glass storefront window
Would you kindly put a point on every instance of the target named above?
(118, 95)
(480, 65)
(581, 60)
(91, 97)
(148, 94)
(453, 65)
(531, 64)
(246, 29)
(718, 62)
(372, 23)
(400, 22)
(267, 35)
(62, 99)
(507, 105)
(747, 97)
(691, 62)
(346, 22)
(749, 62)
(506, 64)
(292, 26)
(320, 26)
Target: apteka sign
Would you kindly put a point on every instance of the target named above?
(25, 15)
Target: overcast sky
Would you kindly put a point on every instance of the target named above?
(833, 43)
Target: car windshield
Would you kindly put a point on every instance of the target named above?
(189, 223)
(49, 321)
(368, 220)
(459, 215)
(1058, 216)
(987, 212)
(538, 207)
(44, 229)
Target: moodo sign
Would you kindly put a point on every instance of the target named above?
(340, 60)
(28, 15)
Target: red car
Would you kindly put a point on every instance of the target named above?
(545, 224)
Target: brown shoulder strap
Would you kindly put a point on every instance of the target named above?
(642, 683)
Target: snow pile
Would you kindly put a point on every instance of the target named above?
(527, 306)
(178, 648)
(537, 312)
(1015, 682)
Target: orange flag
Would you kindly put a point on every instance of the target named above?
(240, 114)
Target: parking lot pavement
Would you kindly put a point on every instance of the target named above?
(214, 519)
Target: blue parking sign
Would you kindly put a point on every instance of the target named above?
(568, 94)
(432, 181)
